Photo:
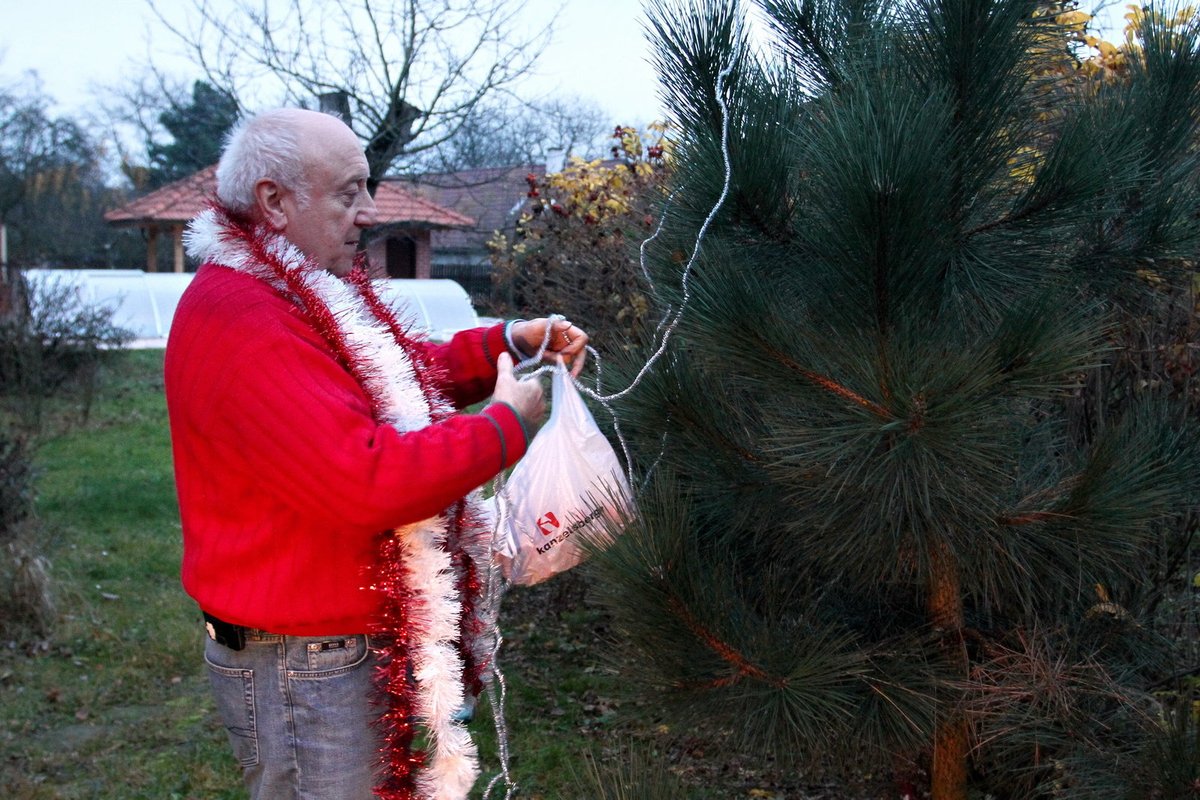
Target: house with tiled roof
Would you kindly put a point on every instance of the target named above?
(493, 197)
(399, 245)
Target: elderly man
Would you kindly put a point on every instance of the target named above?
(326, 474)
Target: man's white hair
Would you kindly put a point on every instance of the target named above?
(266, 145)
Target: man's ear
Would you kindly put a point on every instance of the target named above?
(268, 196)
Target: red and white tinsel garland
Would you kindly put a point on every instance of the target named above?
(433, 635)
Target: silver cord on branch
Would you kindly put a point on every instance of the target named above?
(497, 688)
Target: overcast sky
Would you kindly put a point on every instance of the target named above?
(599, 51)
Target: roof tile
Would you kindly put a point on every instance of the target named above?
(185, 198)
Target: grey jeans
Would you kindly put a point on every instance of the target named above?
(299, 714)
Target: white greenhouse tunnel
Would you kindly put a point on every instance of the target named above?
(144, 302)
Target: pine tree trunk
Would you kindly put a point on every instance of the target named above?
(948, 772)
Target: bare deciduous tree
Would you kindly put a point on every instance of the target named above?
(52, 189)
(412, 70)
(508, 131)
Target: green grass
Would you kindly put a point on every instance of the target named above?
(114, 704)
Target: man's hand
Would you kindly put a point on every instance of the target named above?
(525, 396)
(566, 340)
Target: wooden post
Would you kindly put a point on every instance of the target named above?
(177, 238)
(6, 288)
(152, 248)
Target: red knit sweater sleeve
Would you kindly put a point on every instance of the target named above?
(469, 362)
(264, 392)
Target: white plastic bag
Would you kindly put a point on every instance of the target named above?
(568, 487)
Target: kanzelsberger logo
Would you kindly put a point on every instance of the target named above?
(568, 531)
(547, 522)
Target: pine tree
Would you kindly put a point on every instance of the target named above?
(197, 132)
(875, 524)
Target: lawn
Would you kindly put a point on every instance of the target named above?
(114, 704)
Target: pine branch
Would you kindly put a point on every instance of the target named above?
(742, 668)
(822, 381)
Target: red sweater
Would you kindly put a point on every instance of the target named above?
(285, 479)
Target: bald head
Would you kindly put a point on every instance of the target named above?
(279, 146)
(303, 175)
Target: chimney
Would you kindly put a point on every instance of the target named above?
(337, 104)
(555, 160)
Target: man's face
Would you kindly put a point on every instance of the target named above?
(326, 221)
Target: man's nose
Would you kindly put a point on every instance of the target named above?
(367, 214)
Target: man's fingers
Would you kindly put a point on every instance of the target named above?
(504, 364)
(577, 363)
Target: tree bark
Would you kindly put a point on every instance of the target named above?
(948, 772)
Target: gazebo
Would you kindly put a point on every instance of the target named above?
(166, 211)
(398, 245)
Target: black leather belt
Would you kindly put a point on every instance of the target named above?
(225, 633)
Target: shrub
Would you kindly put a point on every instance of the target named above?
(26, 602)
(52, 340)
(575, 247)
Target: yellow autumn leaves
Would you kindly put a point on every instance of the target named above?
(597, 190)
(1107, 60)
